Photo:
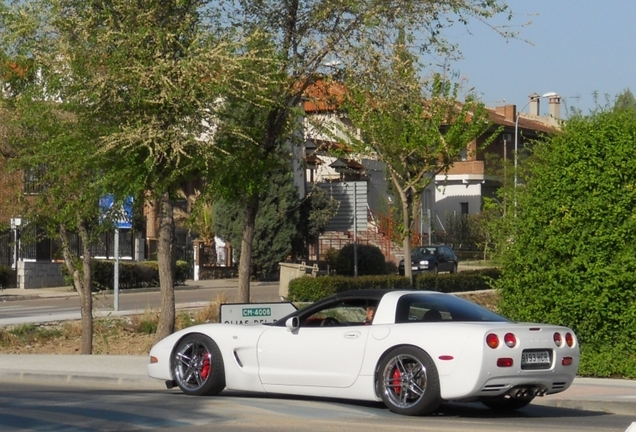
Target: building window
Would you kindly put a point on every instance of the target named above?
(34, 180)
(463, 154)
(464, 207)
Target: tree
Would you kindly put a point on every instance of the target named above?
(416, 134)
(315, 212)
(309, 38)
(149, 72)
(625, 101)
(51, 146)
(275, 226)
(573, 259)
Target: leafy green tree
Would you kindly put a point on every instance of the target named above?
(625, 101)
(315, 212)
(309, 38)
(47, 141)
(573, 257)
(276, 223)
(417, 129)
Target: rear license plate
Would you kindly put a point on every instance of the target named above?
(414, 268)
(536, 359)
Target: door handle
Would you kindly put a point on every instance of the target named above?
(352, 335)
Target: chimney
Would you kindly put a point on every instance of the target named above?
(534, 104)
(555, 107)
(508, 111)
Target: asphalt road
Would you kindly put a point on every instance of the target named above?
(63, 308)
(25, 407)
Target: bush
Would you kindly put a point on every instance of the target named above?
(310, 289)
(370, 261)
(5, 275)
(471, 280)
(131, 274)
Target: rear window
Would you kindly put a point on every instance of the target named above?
(441, 308)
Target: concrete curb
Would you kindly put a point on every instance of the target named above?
(610, 407)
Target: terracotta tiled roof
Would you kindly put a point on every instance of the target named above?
(323, 95)
(499, 118)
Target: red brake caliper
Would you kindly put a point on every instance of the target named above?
(205, 367)
(397, 375)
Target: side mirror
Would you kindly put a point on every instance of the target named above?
(292, 324)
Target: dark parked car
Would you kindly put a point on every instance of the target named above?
(432, 259)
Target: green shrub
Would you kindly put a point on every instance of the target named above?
(5, 275)
(131, 274)
(471, 280)
(310, 289)
(607, 362)
(371, 261)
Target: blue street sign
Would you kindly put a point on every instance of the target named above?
(124, 215)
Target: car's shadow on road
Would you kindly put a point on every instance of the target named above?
(447, 409)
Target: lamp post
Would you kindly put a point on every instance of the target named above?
(517, 115)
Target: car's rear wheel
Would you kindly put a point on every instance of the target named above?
(454, 268)
(408, 382)
(197, 366)
(507, 403)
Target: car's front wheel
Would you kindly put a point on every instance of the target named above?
(506, 403)
(197, 366)
(408, 382)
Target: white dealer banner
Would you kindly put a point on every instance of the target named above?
(254, 313)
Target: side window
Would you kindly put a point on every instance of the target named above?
(417, 311)
(339, 314)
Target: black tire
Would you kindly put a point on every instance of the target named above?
(435, 269)
(506, 403)
(197, 366)
(408, 382)
(454, 268)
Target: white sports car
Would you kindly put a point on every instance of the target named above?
(420, 349)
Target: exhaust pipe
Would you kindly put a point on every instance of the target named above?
(170, 384)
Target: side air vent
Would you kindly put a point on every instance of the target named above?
(238, 360)
(494, 388)
(558, 386)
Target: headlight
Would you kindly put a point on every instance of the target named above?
(425, 262)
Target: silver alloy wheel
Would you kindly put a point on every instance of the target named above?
(193, 363)
(405, 379)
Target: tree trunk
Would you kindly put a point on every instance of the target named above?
(166, 259)
(81, 281)
(406, 243)
(246, 250)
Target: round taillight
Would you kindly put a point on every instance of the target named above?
(569, 339)
(510, 340)
(558, 341)
(492, 340)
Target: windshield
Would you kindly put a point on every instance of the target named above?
(423, 251)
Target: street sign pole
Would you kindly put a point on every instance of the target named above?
(116, 270)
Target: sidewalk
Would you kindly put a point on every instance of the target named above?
(588, 394)
(8, 294)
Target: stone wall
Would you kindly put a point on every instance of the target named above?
(40, 275)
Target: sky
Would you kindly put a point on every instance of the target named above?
(574, 48)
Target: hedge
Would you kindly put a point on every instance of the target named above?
(309, 289)
(131, 274)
